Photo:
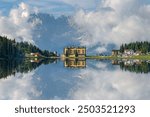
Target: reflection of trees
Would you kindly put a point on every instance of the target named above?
(143, 67)
(11, 67)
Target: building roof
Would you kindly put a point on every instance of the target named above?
(75, 47)
(128, 50)
(35, 53)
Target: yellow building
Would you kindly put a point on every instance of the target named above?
(35, 54)
(115, 52)
(74, 52)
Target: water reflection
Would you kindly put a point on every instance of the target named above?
(100, 79)
(137, 66)
(75, 63)
(110, 84)
(11, 67)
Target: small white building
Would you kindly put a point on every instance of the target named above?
(137, 53)
(128, 52)
(35, 54)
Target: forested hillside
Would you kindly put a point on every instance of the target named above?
(12, 49)
(144, 47)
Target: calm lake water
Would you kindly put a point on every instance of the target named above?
(74, 79)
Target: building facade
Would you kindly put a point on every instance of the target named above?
(74, 52)
(115, 52)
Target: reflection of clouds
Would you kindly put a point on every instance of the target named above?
(20, 86)
(101, 65)
(111, 85)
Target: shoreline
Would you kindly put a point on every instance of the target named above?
(140, 57)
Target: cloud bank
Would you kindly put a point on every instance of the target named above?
(104, 84)
(16, 24)
(20, 86)
(114, 22)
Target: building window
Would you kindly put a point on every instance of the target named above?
(78, 63)
(74, 51)
(78, 51)
(82, 62)
(70, 63)
(83, 51)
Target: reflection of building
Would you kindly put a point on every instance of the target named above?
(115, 52)
(74, 52)
(115, 62)
(75, 63)
(129, 63)
(35, 60)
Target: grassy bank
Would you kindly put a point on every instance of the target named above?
(140, 57)
(101, 57)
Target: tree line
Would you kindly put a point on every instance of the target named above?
(144, 67)
(143, 47)
(11, 67)
(12, 49)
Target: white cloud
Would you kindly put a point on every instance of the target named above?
(20, 86)
(111, 85)
(101, 50)
(115, 22)
(62, 7)
(101, 65)
(16, 25)
(119, 5)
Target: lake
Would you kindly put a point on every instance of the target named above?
(74, 79)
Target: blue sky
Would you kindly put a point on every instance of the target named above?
(56, 7)
(100, 27)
